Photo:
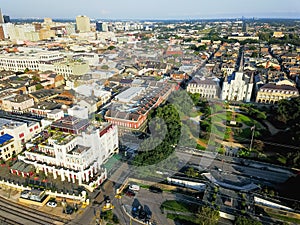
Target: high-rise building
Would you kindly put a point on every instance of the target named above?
(83, 24)
(1, 33)
(1, 17)
(6, 19)
(99, 26)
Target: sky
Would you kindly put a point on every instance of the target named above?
(151, 9)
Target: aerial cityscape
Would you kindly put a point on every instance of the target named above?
(157, 113)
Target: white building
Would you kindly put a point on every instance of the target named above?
(31, 61)
(20, 32)
(76, 158)
(55, 114)
(207, 88)
(83, 24)
(237, 87)
(16, 133)
(79, 112)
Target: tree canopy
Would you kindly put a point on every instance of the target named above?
(288, 112)
(207, 216)
(241, 220)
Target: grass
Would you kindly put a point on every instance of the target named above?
(219, 118)
(182, 219)
(177, 206)
(244, 119)
(284, 218)
(227, 133)
(218, 130)
(247, 121)
(246, 133)
(218, 108)
(282, 159)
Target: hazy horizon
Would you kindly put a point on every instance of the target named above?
(152, 10)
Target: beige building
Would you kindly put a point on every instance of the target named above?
(70, 68)
(207, 88)
(272, 93)
(83, 24)
(18, 103)
(46, 33)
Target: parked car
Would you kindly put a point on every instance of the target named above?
(130, 193)
(155, 189)
(134, 187)
(68, 210)
(25, 194)
(51, 204)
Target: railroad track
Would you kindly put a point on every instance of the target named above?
(28, 214)
(7, 221)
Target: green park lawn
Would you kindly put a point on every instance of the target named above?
(177, 206)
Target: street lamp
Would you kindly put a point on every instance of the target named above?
(251, 143)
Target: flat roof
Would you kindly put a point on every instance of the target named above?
(4, 138)
(129, 94)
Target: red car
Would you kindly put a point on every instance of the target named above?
(130, 193)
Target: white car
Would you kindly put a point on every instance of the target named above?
(51, 204)
(134, 187)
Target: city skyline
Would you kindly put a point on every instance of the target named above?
(132, 9)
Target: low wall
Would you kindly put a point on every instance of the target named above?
(81, 197)
(31, 202)
(227, 216)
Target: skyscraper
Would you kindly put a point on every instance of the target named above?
(83, 24)
(99, 26)
(1, 17)
(6, 19)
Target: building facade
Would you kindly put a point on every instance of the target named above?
(83, 24)
(14, 134)
(237, 87)
(131, 108)
(207, 88)
(75, 158)
(272, 93)
(68, 69)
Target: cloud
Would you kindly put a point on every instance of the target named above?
(104, 12)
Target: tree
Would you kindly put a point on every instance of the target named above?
(105, 67)
(111, 47)
(191, 172)
(241, 220)
(288, 112)
(38, 87)
(207, 216)
(258, 145)
(153, 149)
(36, 78)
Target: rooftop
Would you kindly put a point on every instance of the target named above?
(5, 138)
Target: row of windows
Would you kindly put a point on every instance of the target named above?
(202, 90)
(203, 86)
(5, 61)
(6, 149)
(125, 124)
(279, 91)
(271, 96)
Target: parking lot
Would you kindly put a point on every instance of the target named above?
(151, 203)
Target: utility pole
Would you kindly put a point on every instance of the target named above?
(251, 143)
